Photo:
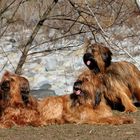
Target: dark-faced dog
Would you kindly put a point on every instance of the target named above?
(122, 79)
(84, 106)
(19, 89)
(14, 109)
(89, 90)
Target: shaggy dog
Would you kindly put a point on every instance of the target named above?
(15, 108)
(18, 89)
(122, 79)
(84, 105)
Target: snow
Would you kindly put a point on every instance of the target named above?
(58, 69)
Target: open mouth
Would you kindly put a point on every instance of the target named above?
(90, 62)
(87, 58)
(76, 87)
(77, 92)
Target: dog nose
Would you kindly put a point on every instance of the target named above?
(77, 85)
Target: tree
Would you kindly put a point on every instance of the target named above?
(67, 19)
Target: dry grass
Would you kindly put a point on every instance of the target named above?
(77, 132)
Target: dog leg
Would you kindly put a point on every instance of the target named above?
(129, 107)
(113, 120)
(116, 120)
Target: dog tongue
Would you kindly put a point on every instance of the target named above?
(88, 62)
(78, 92)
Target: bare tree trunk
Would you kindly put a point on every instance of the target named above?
(31, 38)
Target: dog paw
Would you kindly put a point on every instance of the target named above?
(132, 109)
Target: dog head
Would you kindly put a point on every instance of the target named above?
(77, 96)
(97, 57)
(19, 87)
(88, 90)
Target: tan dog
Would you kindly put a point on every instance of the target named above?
(15, 110)
(122, 79)
(82, 106)
(19, 89)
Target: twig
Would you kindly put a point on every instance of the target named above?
(86, 1)
(31, 38)
(11, 19)
(80, 14)
(6, 8)
(4, 66)
(95, 17)
(7, 57)
(61, 37)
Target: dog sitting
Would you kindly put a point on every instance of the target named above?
(19, 89)
(122, 79)
(15, 110)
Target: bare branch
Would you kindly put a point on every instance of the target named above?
(104, 33)
(31, 38)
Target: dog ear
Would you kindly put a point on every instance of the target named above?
(91, 63)
(107, 57)
(98, 96)
(95, 67)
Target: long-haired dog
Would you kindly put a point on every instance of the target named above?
(84, 105)
(18, 89)
(122, 79)
(16, 108)
(90, 92)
